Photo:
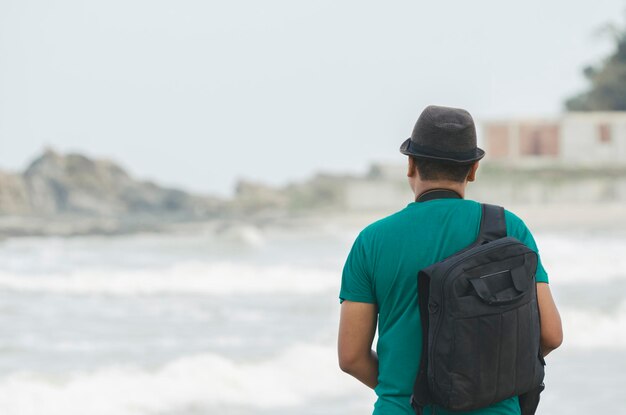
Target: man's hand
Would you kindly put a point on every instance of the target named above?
(357, 326)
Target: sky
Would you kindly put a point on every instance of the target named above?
(201, 94)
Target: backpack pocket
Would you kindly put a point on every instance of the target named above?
(492, 357)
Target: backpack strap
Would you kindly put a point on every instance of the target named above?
(421, 392)
(492, 224)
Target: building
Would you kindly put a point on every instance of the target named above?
(588, 138)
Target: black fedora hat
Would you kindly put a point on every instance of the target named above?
(444, 133)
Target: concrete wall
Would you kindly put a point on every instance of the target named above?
(499, 185)
(377, 195)
(542, 192)
(584, 138)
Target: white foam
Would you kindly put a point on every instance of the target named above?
(299, 375)
(185, 278)
(241, 234)
(588, 329)
(583, 259)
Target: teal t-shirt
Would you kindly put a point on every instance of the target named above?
(382, 269)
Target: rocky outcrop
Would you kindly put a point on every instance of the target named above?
(75, 185)
(14, 196)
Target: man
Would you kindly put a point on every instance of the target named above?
(379, 282)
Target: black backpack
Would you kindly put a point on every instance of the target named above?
(480, 324)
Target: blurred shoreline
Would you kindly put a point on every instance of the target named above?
(561, 218)
(73, 195)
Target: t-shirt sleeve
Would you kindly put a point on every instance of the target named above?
(518, 229)
(356, 279)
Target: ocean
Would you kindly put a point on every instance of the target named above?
(243, 320)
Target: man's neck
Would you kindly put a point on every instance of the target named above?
(424, 186)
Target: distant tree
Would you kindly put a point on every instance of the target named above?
(608, 80)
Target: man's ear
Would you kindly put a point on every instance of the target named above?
(472, 174)
(412, 168)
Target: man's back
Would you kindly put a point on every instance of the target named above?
(382, 269)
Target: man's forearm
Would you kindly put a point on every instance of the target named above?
(365, 369)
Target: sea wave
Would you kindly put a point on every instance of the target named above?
(583, 259)
(594, 329)
(185, 278)
(568, 259)
(296, 376)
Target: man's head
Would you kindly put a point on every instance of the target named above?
(442, 149)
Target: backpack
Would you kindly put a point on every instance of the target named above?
(480, 324)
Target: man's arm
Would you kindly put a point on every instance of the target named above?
(551, 329)
(357, 326)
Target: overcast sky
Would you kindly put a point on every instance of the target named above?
(198, 94)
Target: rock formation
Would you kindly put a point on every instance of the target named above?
(72, 184)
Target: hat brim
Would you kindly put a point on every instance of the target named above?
(460, 158)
